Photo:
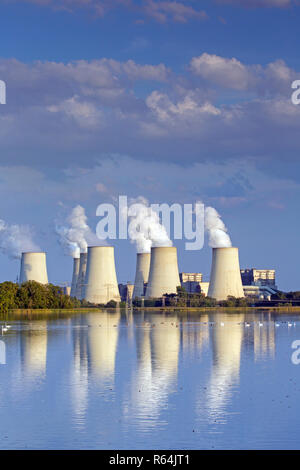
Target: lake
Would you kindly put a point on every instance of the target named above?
(150, 380)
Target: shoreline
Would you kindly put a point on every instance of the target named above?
(25, 312)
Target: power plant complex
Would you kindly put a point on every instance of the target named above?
(95, 280)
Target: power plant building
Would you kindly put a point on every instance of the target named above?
(258, 277)
(81, 276)
(76, 265)
(191, 282)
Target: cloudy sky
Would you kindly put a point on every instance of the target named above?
(174, 101)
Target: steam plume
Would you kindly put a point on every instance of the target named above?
(76, 235)
(14, 239)
(218, 236)
(145, 229)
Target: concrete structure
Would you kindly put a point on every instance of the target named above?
(259, 292)
(81, 276)
(33, 267)
(163, 275)
(191, 282)
(126, 291)
(204, 286)
(225, 276)
(258, 277)
(141, 274)
(76, 264)
(101, 284)
(67, 290)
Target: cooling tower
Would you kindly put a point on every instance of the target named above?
(33, 268)
(101, 283)
(163, 275)
(81, 276)
(225, 276)
(76, 264)
(141, 274)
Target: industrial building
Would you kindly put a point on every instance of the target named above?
(258, 277)
(191, 281)
(126, 292)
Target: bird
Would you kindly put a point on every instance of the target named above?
(276, 324)
(247, 324)
(290, 324)
(7, 326)
(222, 324)
(4, 329)
(261, 324)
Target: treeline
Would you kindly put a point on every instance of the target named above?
(286, 295)
(186, 299)
(33, 295)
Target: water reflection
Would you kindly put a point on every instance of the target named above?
(128, 375)
(157, 346)
(227, 337)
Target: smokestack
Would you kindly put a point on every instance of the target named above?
(81, 276)
(141, 274)
(76, 264)
(33, 267)
(101, 283)
(163, 275)
(225, 276)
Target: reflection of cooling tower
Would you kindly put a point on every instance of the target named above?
(33, 268)
(101, 283)
(81, 276)
(141, 274)
(163, 275)
(76, 265)
(225, 276)
(34, 349)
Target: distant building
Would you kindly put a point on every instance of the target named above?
(259, 292)
(204, 286)
(258, 277)
(191, 281)
(126, 291)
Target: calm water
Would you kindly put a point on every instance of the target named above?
(151, 380)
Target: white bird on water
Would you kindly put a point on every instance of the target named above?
(261, 324)
(4, 329)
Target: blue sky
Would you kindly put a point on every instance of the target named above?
(173, 101)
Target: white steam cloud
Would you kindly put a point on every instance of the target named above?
(16, 239)
(76, 235)
(217, 231)
(145, 229)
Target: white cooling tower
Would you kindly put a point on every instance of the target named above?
(101, 283)
(33, 268)
(163, 275)
(141, 274)
(76, 264)
(81, 276)
(225, 276)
